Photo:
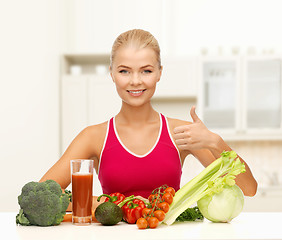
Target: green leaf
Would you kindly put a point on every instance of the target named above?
(22, 219)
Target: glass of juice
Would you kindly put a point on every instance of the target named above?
(82, 183)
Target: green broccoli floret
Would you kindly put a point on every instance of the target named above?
(42, 204)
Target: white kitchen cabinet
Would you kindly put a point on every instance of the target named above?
(176, 92)
(86, 100)
(103, 100)
(220, 93)
(178, 78)
(240, 97)
(74, 112)
(262, 91)
(88, 95)
(267, 199)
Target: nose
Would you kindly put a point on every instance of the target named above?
(135, 80)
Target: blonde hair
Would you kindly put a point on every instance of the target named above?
(138, 38)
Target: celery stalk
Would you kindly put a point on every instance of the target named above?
(212, 179)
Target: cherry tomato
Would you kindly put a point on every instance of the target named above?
(164, 206)
(159, 214)
(152, 197)
(156, 199)
(146, 212)
(153, 222)
(170, 190)
(142, 223)
(167, 197)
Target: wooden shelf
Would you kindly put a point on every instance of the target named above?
(87, 62)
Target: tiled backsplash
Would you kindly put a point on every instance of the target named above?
(263, 157)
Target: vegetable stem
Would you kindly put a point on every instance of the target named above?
(212, 179)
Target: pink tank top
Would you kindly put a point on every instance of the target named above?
(122, 171)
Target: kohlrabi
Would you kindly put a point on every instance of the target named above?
(223, 206)
(213, 179)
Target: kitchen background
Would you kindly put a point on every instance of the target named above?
(222, 56)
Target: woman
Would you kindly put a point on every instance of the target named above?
(140, 149)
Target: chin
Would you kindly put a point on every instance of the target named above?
(136, 103)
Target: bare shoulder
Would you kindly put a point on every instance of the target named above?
(173, 122)
(93, 133)
(96, 130)
(97, 133)
(93, 137)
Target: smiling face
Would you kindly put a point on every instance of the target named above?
(135, 72)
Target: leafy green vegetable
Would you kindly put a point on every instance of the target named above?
(223, 206)
(42, 204)
(69, 193)
(190, 214)
(21, 219)
(212, 179)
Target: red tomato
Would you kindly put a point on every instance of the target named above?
(170, 190)
(142, 223)
(167, 197)
(146, 212)
(164, 206)
(152, 197)
(155, 199)
(153, 222)
(159, 214)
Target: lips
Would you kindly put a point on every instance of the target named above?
(136, 93)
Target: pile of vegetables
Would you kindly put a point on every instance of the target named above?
(144, 214)
(158, 206)
(42, 204)
(214, 191)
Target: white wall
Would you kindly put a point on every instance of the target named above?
(35, 32)
(221, 25)
(30, 45)
(94, 25)
(181, 26)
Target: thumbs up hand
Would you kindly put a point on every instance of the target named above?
(193, 136)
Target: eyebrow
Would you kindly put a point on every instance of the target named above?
(147, 66)
(123, 66)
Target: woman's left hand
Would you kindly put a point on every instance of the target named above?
(193, 136)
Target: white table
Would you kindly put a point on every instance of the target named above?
(253, 225)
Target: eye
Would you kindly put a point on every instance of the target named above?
(123, 71)
(147, 71)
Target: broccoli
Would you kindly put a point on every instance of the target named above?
(42, 204)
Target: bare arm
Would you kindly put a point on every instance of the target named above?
(86, 145)
(207, 146)
(245, 181)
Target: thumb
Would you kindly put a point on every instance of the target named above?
(194, 115)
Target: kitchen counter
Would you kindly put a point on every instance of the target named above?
(248, 225)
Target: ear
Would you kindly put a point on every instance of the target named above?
(161, 70)
(111, 73)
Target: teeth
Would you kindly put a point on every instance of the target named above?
(136, 92)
